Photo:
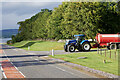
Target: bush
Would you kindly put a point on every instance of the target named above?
(9, 42)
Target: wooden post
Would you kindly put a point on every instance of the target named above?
(110, 53)
(101, 52)
(104, 61)
(97, 50)
(115, 53)
(105, 53)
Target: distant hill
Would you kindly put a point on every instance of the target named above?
(7, 33)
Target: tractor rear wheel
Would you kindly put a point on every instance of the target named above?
(71, 48)
(86, 46)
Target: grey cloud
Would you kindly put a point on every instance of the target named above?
(13, 12)
(26, 7)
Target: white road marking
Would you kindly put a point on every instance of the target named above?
(37, 59)
(3, 72)
(20, 49)
(62, 69)
(45, 56)
(13, 64)
(15, 49)
(31, 53)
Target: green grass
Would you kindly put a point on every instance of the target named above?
(93, 60)
(39, 45)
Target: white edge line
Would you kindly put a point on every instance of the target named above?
(13, 64)
(17, 68)
(3, 72)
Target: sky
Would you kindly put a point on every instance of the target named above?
(15, 11)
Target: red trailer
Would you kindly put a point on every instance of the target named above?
(112, 41)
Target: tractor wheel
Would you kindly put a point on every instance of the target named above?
(71, 48)
(86, 46)
(65, 48)
(113, 46)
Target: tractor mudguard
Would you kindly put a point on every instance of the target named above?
(84, 41)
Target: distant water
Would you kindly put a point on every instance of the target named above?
(4, 40)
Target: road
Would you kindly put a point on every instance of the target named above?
(30, 64)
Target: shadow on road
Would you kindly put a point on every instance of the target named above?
(6, 47)
(31, 63)
(24, 46)
(16, 56)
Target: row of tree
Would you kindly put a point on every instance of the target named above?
(71, 18)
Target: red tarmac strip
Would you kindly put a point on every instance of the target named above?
(9, 70)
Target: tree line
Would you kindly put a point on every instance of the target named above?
(71, 18)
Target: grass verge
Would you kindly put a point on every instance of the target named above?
(39, 45)
(93, 60)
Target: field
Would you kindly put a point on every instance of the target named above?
(93, 60)
(39, 45)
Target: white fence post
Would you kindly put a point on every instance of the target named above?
(28, 47)
(52, 52)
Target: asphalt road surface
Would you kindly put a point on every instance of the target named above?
(32, 65)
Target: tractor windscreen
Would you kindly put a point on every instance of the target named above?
(80, 38)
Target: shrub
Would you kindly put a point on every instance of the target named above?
(9, 42)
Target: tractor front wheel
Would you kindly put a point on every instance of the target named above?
(71, 48)
(65, 48)
(86, 46)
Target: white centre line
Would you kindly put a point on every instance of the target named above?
(15, 49)
(62, 69)
(31, 53)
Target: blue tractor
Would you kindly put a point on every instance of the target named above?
(78, 43)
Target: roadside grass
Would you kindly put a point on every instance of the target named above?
(39, 45)
(93, 60)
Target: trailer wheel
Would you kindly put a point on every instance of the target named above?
(86, 46)
(118, 46)
(65, 48)
(71, 48)
(113, 46)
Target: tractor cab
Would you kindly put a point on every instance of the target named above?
(78, 43)
(79, 38)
